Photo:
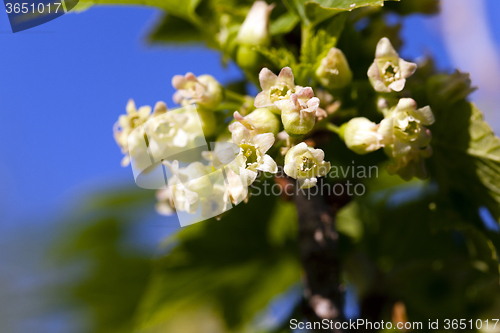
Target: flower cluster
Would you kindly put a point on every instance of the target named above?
(285, 115)
(402, 132)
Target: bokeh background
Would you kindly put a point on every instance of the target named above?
(63, 85)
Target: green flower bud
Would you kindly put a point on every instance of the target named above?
(362, 136)
(260, 121)
(249, 59)
(333, 71)
(298, 113)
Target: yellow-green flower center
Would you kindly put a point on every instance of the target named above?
(250, 152)
(306, 164)
(279, 92)
(390, 72)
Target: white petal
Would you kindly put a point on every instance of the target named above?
(267, 79)
(385, 49)
(425, 115)
(286, 76)
(130, 106)
(407, 68)
(247, 176)
(305, 93)
(226, 155)
(318, 154)
(262, 100)
(380, 86)
(308, 182)
(263, 142)
(290, 169)
(398, 85)
(240, 133)
(386, 129)
(268, 165)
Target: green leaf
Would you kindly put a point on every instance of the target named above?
(284, 24)
(315, 47)
(231, 268)
(466, 155)
(280, 57)
(173, 29)
(314, 12)
(436, 272)
(180, 8)
(116, 272)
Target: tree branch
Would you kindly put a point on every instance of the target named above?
(318, 242)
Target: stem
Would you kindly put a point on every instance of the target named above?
(333, 128)
(318, 243)
(234, 96)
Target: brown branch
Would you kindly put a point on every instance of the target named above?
(318, 242)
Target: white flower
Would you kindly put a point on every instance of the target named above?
(305, 164)
(174, 132)
(410, 139)
(274, 88)
(362, 136)
(334, 71)
(189, 185)
(123, 130)
(389, 72)
(203, 90)
(298, 113)
(252, 155)
(215, 204)
(255, 28)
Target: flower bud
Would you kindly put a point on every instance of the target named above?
(204, 90)
(298, 113)
(333, 71)
(255, 29)
(362, 136)
(248, 58)
(260, 121)
(305, 163)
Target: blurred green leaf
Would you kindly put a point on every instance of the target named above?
(466, 151)
(315, 12)
(172, 29)
(233, 267)
(284, 24)
(279, 58)
(406, 253)
(116, 272)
